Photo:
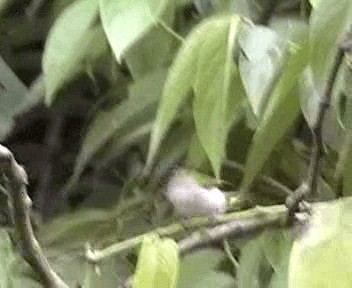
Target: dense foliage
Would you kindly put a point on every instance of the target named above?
(101, 99)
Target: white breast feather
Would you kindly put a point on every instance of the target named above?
(190, 199)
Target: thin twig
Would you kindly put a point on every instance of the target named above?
(309, 187)
(244, 222)
(236, 229)
(229, 255)
(265, 179)
(170, 31)
(52, 142)
(20, 208)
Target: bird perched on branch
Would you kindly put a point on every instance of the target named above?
(190, 199)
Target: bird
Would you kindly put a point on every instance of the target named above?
(190, 199)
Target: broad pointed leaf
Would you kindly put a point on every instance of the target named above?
(260, 63)
(328, 21)
(283, 108)
(73, 42)
(321, 256)
(127, 21)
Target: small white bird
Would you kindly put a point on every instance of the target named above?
(190, 199)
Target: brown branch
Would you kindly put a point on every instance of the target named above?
(236, 229)
(20, 205)
(232, 225)
(309, 187)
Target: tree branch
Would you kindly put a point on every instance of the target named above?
(281, 188)
(309, 187)
(232, 225)
(236, 229)
(20, 205)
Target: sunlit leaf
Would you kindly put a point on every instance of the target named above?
(327, 23)
(283, 108)
(157, 263)
(290, 27)
(168, 264)
(125, 21)
(73, 42)
(214, 103)
(314, 3)
(212, 78)
(176, 89)
(321, 256)
(345, 152)
(259, 64)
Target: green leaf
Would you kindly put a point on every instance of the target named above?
(194, 68)
(156, 48)
(347, 169)
(264, 261)
(213, 108)
(260, 63)
(175, 147)
(250, 265)
(168, 264)
(7, 255)
(214, 279)
(127, 21)
(277, 249)
(143, 96)
(310, 99)
(283, 108)
(75, 269)
(4, 4)
(344, 164)
(176, 89)
(321, 256)
(196, 156)
(73, 42)
(147, 264)
(290, 27)
(196, 265)
(14, 272)
(314, 3)
(327, 23)
(14, 98)
(157, 264)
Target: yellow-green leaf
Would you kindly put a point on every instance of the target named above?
(283, 108)
(216, 71)
(158, 263)
(327, 23)
(322, 256)
(216, 85)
